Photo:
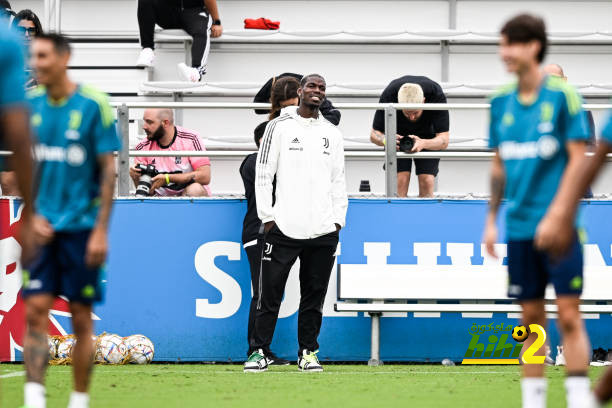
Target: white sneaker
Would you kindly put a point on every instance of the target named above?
(188, 74)
(560, 360)
(146, 57)
(308, 362)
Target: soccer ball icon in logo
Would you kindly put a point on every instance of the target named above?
(520, 333)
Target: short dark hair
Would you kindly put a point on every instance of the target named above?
(259, 132)
(29, 15)
(524, 28)
(60, 43)
(307, 77)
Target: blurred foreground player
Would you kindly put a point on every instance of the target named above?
(14, 128)
(252, 232)
(555, 235)
(74, 141)
(539, 133)
(305, 153)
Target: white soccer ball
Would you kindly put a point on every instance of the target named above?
(64, 349)
(53, 343)
(140, 349)
(110, 349)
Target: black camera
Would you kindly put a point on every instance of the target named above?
(147, 172)
(406, 144)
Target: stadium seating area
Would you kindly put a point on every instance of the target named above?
(359, 46)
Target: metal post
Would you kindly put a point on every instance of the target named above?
(178, 112)
(452, 14)
(390, 152)
(123, 117)
(58, 16)
(375, 360)
(444, 60)
(48, 15)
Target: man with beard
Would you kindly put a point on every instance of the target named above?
(179, 176)
(305, 152)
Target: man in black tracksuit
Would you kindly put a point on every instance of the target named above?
(199, 18)
(252, 233)
(304, 153)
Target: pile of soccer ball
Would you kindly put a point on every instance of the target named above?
(109, 349)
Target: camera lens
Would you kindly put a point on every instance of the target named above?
(144, 186)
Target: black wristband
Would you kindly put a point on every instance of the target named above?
(216, 22)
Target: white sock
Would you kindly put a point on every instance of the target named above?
(34, 395)
(534, 392)
(79, 400)
(579, 393)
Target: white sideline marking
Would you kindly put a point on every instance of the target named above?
(239, 371)
(15, 374)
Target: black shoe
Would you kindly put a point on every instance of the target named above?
(273, 359)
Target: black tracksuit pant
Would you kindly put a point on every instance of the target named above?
(254, 255)
(195, 20)
(279, 253)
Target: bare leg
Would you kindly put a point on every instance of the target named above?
(426, 185)
(195, 190)
(533, 313)
(603, 390)
(575, 340)
(403, 181)
(82, 354)
(35, 347)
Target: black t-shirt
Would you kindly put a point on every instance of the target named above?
(251, 223)
(429, 124)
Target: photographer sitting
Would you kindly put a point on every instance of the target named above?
(170, 176)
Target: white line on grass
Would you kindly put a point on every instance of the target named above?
(15, 374)
(131, 371)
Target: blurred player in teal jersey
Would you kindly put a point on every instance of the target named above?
(14, 128)
(538, 131)
(74, 139)
(555, 234)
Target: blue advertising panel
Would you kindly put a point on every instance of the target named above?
(178, 274)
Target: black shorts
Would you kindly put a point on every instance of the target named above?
(530, 270)
(60, 269)
(423, 166)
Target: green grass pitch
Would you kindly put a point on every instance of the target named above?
(340, 386)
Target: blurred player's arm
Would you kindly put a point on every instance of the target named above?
(498, 184)
(15, 126)
(556, 230)
(97, 247)
(267, 163)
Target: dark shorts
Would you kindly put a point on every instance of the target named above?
(59, 269)
(423, 166)
(531, 270)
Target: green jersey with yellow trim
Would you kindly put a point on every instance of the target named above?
(69, 136)
(531, 140)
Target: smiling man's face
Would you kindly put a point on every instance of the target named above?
(312, 94)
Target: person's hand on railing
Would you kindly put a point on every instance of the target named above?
(419, 144)
(216, 30)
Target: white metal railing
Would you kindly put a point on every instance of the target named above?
(390, 155)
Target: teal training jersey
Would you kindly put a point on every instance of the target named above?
(12, 74)
(69, 135)
(606, 134)
(531, 140)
